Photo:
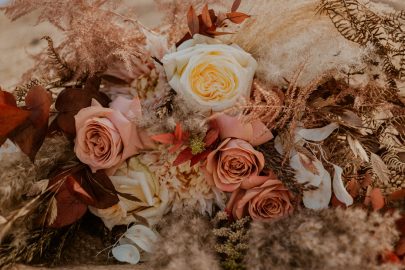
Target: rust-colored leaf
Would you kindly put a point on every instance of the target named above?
(71, 100)
(206, 17)
(237, 17)
(10, 118)
(30, 136)
(193, 22)
(211, 137)
(236, 5)
(397, 195)
(7, 98)
(377, 199)
(353, 187)
(69, 208)
(183, 157)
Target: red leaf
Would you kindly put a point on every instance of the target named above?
(31, 135)
(10, 118)
(167, 138)
(76, 189)
(183, 157)
(206, 17)
(7, 98)
(71, 100)
(236, 5)
(377, 199)
(391, 257)
(178, 132)
(175, 147)
(193, 22)
(237, 17)
(69, 208)
(197, 158)
(211, 137)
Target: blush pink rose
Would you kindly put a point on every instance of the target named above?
(254, 132)
(105, 137)
(265, 199)
(232, 164)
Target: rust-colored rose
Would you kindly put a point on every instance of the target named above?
(266, 199)
(233, 164)
(108, 136)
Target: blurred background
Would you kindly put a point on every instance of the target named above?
(21, 38)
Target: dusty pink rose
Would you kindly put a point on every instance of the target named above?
(254, 132)
(265, 199)
(107, 136)
(232, 164)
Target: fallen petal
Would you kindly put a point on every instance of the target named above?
(339, 189)
(126, 253)
(319, 198)
(317, 134)
(142, 236)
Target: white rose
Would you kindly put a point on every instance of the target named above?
(135, 179)
(210, 75)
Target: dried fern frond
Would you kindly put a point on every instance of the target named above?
(359, 24)
(95, 33)
(265, 105)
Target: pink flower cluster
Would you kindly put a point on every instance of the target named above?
(235, 166)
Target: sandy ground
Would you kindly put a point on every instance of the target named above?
(21, 38)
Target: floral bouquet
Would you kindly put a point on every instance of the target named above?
(254, 135)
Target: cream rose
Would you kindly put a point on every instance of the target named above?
(108, 136)
(136, 180)
(210, 75)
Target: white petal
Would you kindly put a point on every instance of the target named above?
(339, 189)
(303, 176)
(317, 134)
(142, 236)
(126, 253)
(319, 198)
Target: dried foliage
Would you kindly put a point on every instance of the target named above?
(360, 24)
(329, 239)
(186, 243)
(232, 238)
(96, 35)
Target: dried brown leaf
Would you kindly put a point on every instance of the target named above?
(193, 22)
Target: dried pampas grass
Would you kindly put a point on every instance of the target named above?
(284, 34)
(329, 239)
(18, 174)
(187, 243)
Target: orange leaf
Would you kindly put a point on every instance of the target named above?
(166, 138)
(211, 137)
(353, 187)
(236, 5)
(10, 118)
(178, 132)
(377, 199)
(237, 17)
(206, 17)
(175, 147)
(193, 22)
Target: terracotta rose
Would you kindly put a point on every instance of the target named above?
(232, 164)
(108, 136)
(265, 198)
